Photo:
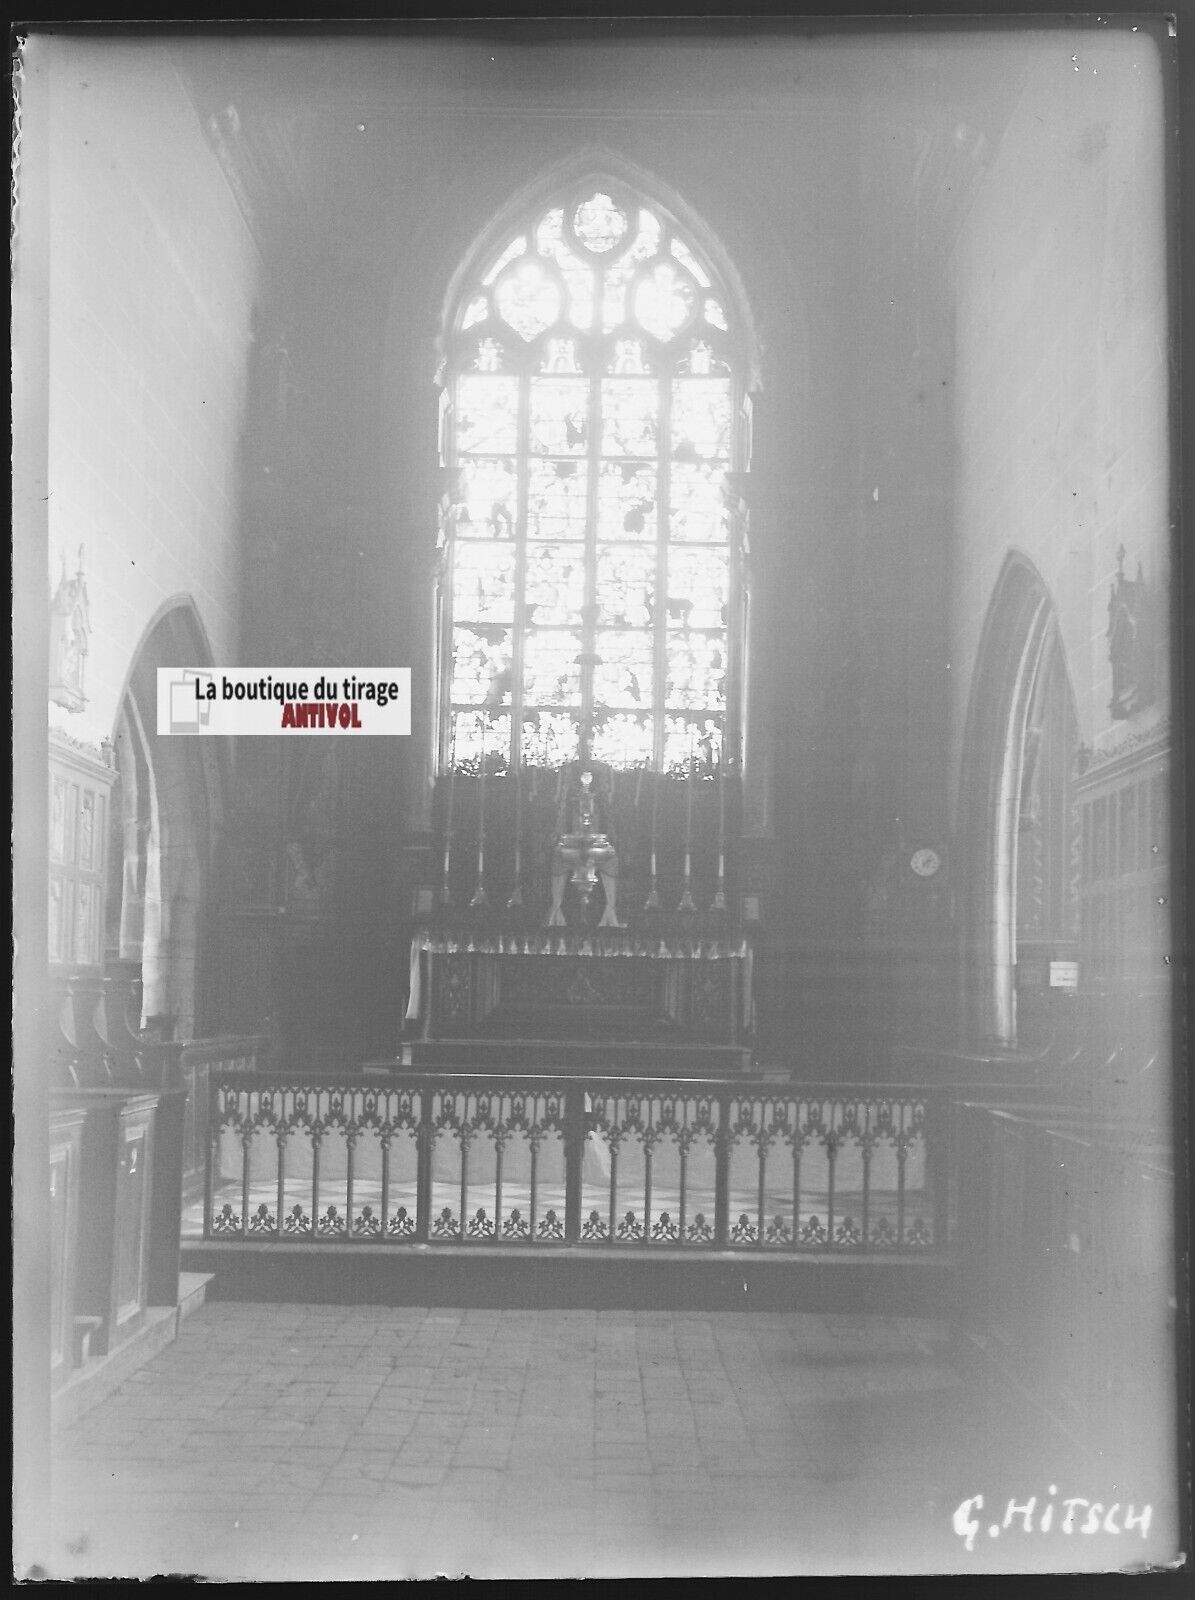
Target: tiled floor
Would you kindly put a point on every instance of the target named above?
(312, 1442)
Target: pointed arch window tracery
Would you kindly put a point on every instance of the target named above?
(593, 422)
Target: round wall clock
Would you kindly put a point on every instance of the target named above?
(925, 862)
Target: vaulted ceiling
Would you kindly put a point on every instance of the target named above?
(318, 129)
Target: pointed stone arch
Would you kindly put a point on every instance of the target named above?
(1021, 666)
(597, 164)
(596, 377)
(166, 822)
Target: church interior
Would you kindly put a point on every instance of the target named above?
(758, 445)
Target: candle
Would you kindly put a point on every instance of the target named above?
(448, 806)
(652, 902)
(721, 815)
(686, 899)
(689, 801)
(479, 893)
(719, 901)
(481, 803)
(451, 770)
(518, 820)
(516, 894)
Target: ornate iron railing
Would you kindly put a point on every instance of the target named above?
(199, 1059)
(596, 1162)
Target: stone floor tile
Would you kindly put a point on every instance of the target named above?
(406, 1442)
(416, 1475)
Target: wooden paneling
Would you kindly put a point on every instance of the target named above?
(66, 1132)
(117, 1152)
(1124, 892)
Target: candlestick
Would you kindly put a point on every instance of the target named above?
(479, 897)
(445, 894)
(687, 903)
(516, 896)
(652, 903)
(718, 903)
(689, 802)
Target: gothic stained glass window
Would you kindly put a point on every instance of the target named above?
(592, 589)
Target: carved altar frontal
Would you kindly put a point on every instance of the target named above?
(561, 988)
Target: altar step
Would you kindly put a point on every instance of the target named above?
(96, 1377)
(511, 1277)
(640, 1058)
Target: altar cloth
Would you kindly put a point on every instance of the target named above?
(601, 943)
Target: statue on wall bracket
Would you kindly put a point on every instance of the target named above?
(1130, 643)
(70, 631)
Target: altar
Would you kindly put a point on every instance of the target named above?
(580, 905)
(596, 999)
(583, 921)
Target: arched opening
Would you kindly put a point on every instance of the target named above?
(591, 599)
(1019, 831)
(166, 811)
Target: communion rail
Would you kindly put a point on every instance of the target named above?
(598, 1162)
(198, 1059)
